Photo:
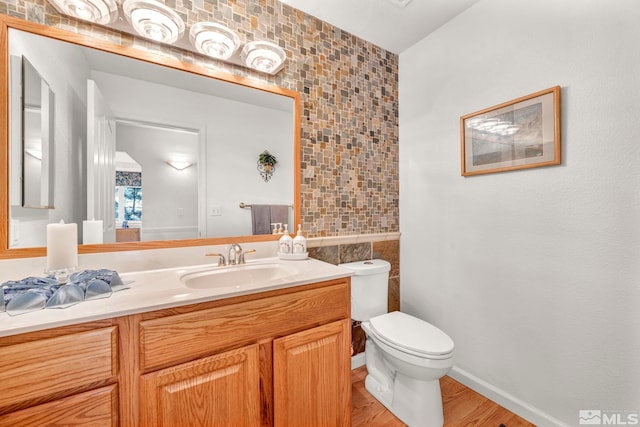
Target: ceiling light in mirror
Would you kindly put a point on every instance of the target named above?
(263, 56)
(214, 40)
(99, 11)
(154, 20)
(178, 164)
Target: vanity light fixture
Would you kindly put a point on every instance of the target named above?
(264, 56)
(98, 11)
(178, 165)
(153, 20)
(214, 40)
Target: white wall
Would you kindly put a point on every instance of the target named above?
(232, 174)
(533, 273)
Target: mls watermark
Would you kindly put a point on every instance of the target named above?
(602, 417)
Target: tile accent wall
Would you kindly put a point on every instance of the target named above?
(349, 97)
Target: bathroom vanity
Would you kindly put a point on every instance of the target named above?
(276, 356)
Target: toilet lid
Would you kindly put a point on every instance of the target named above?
(410, 333)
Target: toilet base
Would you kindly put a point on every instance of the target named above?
(416, 403)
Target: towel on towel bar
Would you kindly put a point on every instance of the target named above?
(262, 216)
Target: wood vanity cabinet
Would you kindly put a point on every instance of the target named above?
(65, 376)
(280, 360)
(273, 358)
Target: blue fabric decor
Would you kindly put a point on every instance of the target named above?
(36, 293)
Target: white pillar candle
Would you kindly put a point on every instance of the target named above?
(92, 232)
(62, 246)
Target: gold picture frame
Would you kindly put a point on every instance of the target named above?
(519, 134)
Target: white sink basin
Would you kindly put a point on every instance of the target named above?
(236, 276)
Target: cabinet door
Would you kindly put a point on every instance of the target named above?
(220, 390)
(312, 385)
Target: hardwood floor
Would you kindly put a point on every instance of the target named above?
(463, 407)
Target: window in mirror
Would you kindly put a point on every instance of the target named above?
(128, 206)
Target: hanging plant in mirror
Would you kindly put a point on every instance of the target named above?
(266, 165)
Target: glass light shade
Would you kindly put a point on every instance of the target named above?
(263, 56)
(153, 20)
(214, 40)
(179, 165)
(98, 11)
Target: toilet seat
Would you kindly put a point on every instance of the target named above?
(411, 335)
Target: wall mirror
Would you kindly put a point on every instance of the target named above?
(149, 152)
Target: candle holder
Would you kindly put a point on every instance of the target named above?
(61, 274)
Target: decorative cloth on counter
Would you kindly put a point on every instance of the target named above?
(36, 293)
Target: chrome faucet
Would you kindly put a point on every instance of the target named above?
(235, 250)
(236, 254)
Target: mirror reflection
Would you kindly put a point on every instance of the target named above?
(36, 132)
(145, 152)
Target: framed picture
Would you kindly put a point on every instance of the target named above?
(519, 134)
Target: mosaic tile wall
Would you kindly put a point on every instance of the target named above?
(349, 96)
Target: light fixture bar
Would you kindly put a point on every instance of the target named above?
(153, 20)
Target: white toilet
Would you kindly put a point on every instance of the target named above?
(405, 356)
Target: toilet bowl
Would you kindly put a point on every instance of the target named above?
(405, 359)
(405, 356)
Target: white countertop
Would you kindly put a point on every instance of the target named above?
(163, 288)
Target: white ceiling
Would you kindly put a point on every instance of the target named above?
(384, 22)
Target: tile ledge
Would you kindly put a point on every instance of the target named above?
(317, 242)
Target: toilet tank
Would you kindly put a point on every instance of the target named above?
(369, 288)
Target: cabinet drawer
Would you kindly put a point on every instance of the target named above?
(41, 368)
(97, 408)
(183, 337)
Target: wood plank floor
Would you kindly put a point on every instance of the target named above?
(463, 407)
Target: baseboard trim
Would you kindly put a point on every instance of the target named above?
(504, 399)
(357, 360)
